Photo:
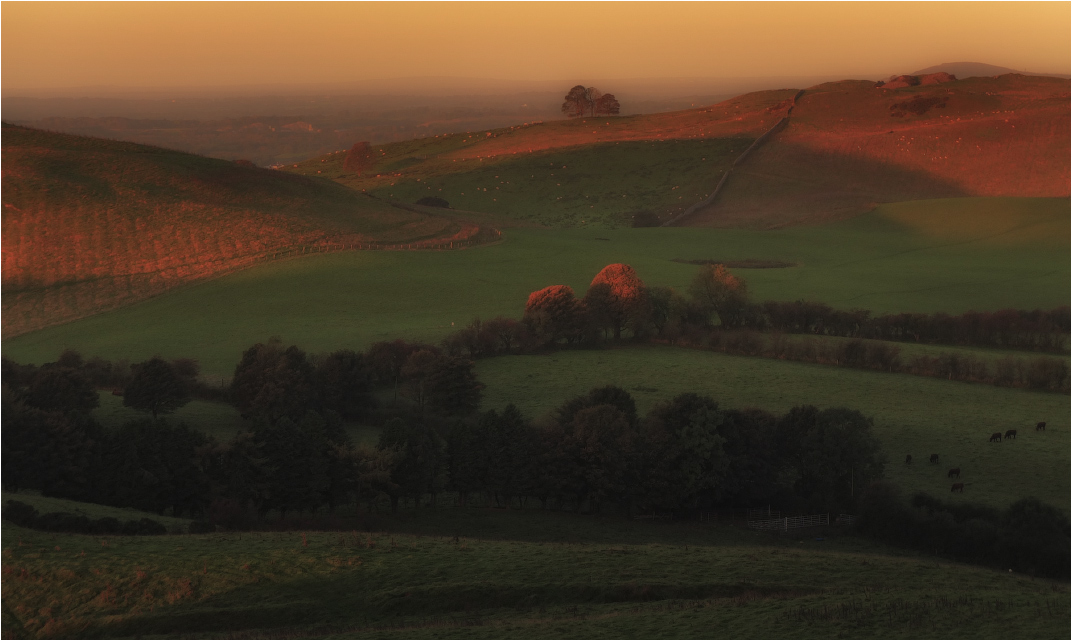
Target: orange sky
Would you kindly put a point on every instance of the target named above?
(55, 44)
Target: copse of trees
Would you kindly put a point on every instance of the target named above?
(1029, 536)
(582, 101)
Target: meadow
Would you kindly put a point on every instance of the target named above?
(510, 574)
(999, 253)
(913, 415)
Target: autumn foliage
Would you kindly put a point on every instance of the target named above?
(616, 294)
(554, 314)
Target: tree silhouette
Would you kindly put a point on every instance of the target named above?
(581, 101)
(156, 387)
(716, 291)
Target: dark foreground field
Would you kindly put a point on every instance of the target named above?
(477, 573)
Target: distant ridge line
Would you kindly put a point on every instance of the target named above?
(778, 126)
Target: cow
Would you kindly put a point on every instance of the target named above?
(907, 459)
(957, 487)
(1010, 434)
(954, 472)
(934, 459)
(996, 436)
(1040, 426)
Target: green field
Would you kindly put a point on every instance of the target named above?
(913, 415)
(589, 185)
(880, 261)
(510, 575)
(47, 504)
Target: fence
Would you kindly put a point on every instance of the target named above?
(791, 522)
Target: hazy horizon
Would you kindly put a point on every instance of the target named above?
(52, 49)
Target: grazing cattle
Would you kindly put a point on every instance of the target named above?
(1010, 434)
(908, 459)
(996, 436)
(934, 458)
(954, 472)
(957, 487)
(1040, 426)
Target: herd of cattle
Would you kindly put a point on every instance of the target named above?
(954, 472)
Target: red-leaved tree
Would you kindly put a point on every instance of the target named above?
(615, 296)
(555, 314)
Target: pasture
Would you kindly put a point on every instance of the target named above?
(510, 574)
(913, 415)
(880, 261)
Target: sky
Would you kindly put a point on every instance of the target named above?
(54, 45)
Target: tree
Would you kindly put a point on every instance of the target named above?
(590, 101)
(716, 291)
(443, 383)
(156, 387)
(554, 314)
(615, 297)
(418, 466)
(576, 103)
(679, 457)
(344, 380)
(606, 105)
(61, 389)
(828, 453)
(387, 358)
(271, 382)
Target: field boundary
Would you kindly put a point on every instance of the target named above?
(706, 202)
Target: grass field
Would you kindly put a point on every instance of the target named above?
(881, 261)
(913, 415)
(89, 223)
(509, 575)
(47, 504)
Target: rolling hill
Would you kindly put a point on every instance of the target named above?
(846, 147)
(90, 224)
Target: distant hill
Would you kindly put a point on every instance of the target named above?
(850, 145)
(964, 70)
(89, 224)
(846, 147)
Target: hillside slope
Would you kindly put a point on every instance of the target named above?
(850, 145)
(570, 172)
(89, 224)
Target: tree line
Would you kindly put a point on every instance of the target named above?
(1029, 536)
(716, 314)
(687, 453)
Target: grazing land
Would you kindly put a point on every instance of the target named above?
(913, 415)
(91, 224)
(509, 574)
(847, 147)
(887, 261)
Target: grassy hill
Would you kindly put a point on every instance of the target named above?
(567, 173)
(850, 145)
(913, 415)
(847, 147)
(882, 261)
(470, 573)
(89, 224)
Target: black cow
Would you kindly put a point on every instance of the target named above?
(934, 458)
(1040, 426)
(954, 472)
(957, 487)
(996, 436)
(1010, 434)
(908, 459)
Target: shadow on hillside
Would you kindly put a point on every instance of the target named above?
(786, 183)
